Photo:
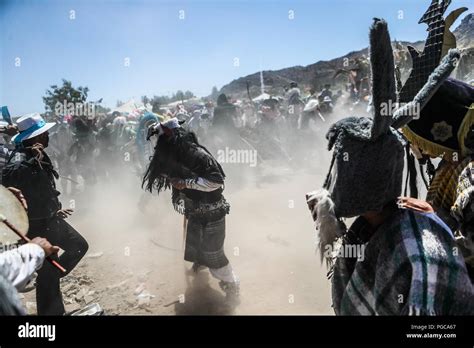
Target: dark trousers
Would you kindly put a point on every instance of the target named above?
(58, 232)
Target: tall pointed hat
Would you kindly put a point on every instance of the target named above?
(367, 166)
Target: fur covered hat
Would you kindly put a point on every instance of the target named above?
(367, 166)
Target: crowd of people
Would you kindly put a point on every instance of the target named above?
(413, 256)
(85, 151)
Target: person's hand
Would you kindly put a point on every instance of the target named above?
(414, 204)
(37, 147)
(37, 150)
(48, 248)
(19, 195)
(64, 213)
(178, 184)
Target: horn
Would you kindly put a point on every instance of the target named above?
(383, 77)
(407, 112)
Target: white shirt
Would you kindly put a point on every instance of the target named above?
(18, 265)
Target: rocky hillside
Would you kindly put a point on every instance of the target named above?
(465, 32)
(322, 72)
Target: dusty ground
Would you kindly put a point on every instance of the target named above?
(135, 262)
(270, 243)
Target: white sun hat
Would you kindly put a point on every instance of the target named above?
(158, 128)
(30, 126)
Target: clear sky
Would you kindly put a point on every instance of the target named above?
(90, 46)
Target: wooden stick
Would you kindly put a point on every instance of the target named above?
(185, 230)
(27, 240)
(171, 303)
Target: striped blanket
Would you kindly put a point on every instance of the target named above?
(411, 266)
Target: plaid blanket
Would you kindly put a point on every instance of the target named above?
(410, 266)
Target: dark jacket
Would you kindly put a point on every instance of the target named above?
(201, 164)
(193, 163)
(36, 182)
(224, 114)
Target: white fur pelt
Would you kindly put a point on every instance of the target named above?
(329, 227)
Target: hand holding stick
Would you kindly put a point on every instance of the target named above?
(27, 240)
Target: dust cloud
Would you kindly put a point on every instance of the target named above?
(135, 261)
